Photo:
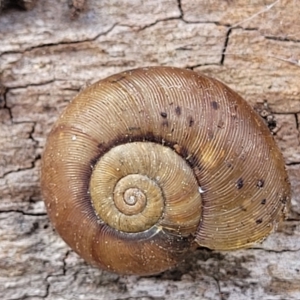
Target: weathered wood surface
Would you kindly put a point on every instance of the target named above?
(49, 53)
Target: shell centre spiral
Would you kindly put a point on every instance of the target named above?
(135, 186)
(132, 192)
(133, 195)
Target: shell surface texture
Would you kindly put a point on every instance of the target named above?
(147, 164)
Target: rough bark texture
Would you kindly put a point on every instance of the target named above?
(47, 54)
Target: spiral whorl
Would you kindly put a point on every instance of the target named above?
(145, 184)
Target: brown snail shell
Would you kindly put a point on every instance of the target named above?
(148, 163)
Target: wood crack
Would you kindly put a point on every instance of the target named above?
(49, 45)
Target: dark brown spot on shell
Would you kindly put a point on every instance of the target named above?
(215, 105)
(259, 221)
(221, 124)
(263, 201)
(163, 114)
(178, 110)
(240, 183)
(191, 121)
(228, 164)
(243, 208)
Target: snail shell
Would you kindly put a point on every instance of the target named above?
(146, 164)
